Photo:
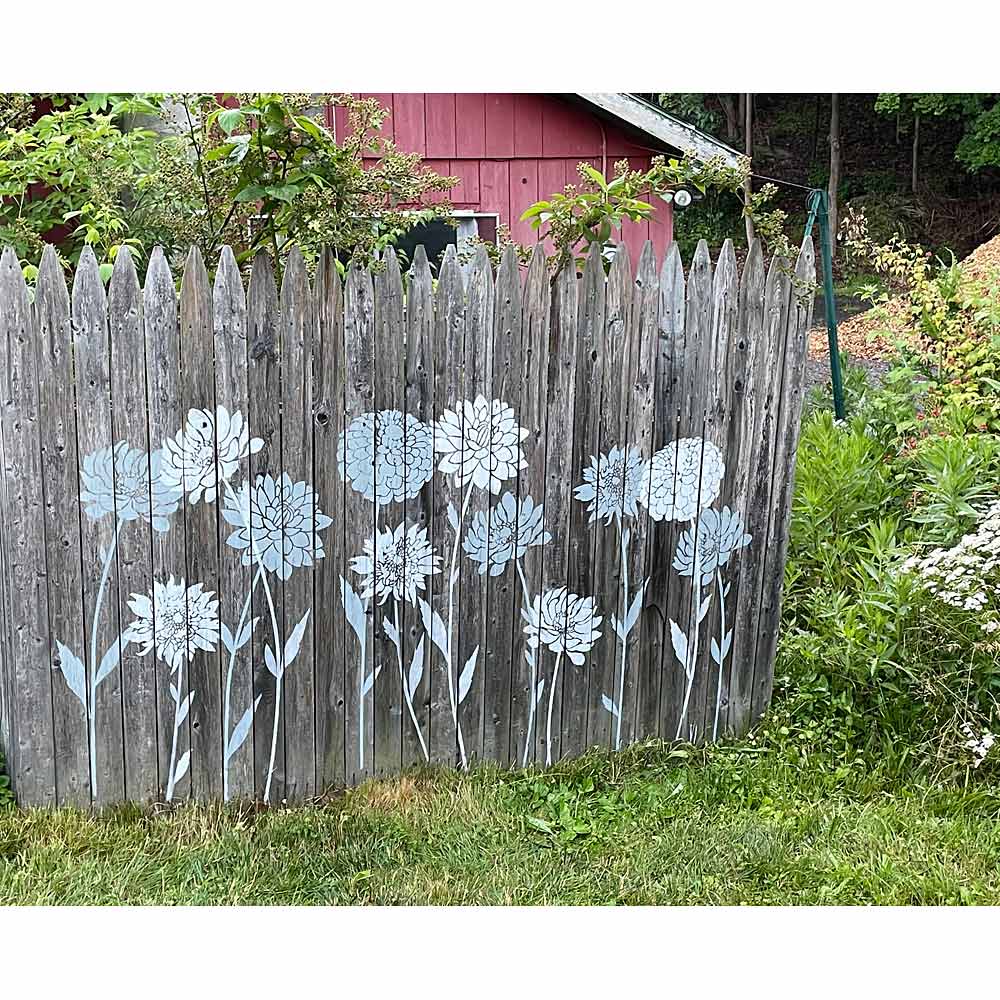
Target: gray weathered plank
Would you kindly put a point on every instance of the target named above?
(656, 662)
(744, 377)
(639, 385)
(696, 374)
(27, 653)
(300, 520)
(99, 535)
(472, 639)
(609, 532)
(582, 535)
(237, 582)
(60, 484)
(418, 405)
(445, 594)
(562, 729)
(388, 618)
(330, 630)
(160, 322)
(783, 477)
(361, 514)
(536, 409)
(718, 402)
(197, 393)
(135, 543)
(264, 398)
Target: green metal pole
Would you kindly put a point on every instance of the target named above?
(826, 244)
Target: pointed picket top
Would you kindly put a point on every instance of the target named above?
(480, 288)
(419, 263)
(52, 301)
(15, 303)
(508, 268)
(262, 307)
(88, 299)
(645, 270)
(805, 268)
(537, 271)
(593, 289)
(195, 279)
(228, 301)
(123, 290)
(295, 280)
(450, 276)
(752, 280)
(327, 287)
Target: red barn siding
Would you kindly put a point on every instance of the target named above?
(509, 150)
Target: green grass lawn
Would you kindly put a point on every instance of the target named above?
(647, 826)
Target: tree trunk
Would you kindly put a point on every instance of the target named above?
(747, 102)
(834, 168)
(916, 152)
(732, 121)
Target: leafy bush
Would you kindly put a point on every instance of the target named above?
(6, 792)
(873, 663)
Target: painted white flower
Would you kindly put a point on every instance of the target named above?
(386, 456)
(480, 443)
(564, 622)
(719, 535)
(396, 563)
(282, 518)
(178, 621)
(117, 481)
(506, 533)
(206, 452)
(682, 479)
(611, 484)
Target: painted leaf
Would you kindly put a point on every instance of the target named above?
(455, 576)
(679, 641)
(294, 641)
(73, 670)
(109, 661)
(391, 631)
(272, 664)
(703, 610)
(182, 712)
(227, 638)
(370, 680)
(354, 609)
(416, 668)
(727, 643)
(716, 655)
(540, 691)
(626, 537)
(453, 517)
(728, 587)
(182, 766)
(635, 609)
(434, 627)
(617, 626)
(244, 637)
(609, 705)
(241, 730)
(465, 678)
(174, 693)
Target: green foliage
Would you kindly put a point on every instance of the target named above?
(979, 114)
(691, 108)
(871, 662)
(264, 174)
(6, 792)
(576, 219)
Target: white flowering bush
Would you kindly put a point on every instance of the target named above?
(966, 575)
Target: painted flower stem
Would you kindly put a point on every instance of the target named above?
(406, 690)
(625, 607)
(529, 737)
(722, 657)
(171, 773)
(94, 664)
(692, 652)
(226, 711)
(279, 657)
(548, 725)
(451, 613)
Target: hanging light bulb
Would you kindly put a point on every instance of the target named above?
(682, 198)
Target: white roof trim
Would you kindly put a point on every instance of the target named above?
(664, 127)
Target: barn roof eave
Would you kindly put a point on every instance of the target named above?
(638, 114)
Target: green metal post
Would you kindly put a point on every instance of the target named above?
(826, 244)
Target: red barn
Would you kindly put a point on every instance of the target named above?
(510, 150)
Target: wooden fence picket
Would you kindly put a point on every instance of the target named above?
(507, 519)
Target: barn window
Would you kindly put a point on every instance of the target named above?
(438, 234)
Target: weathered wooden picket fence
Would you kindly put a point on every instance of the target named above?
(255, 546)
